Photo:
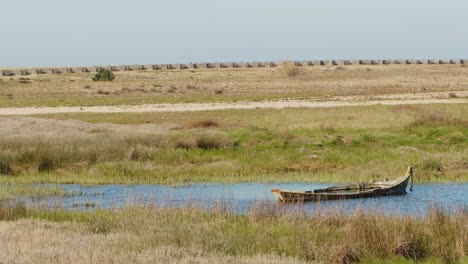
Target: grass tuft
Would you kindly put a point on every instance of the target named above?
(213, 140)
(289, 69)
(10, 212)
(5, 168)
(204, 124)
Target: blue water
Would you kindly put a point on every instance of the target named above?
(241, 197)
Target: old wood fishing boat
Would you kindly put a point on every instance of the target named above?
(353, 191)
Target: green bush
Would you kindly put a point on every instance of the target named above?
(104, 75)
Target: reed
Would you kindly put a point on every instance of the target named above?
(325, 236)
(265, 146)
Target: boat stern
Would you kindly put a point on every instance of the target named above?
(278, 196)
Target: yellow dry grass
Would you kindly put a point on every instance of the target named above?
(201, 85)
(35, 241)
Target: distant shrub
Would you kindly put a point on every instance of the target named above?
(103, 92)
(219, 91)
(213, 140)
(104, 75)
(24, 80)
(436, 119)
(185, 142)
(289, 69)
(204, 124)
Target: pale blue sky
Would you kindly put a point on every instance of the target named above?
(90, 32)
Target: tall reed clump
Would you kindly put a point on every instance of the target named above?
(10, 212)
(43, 154)
(5, 168)
(289, 69)
(213, 139)
(432, 118)
(326, 236)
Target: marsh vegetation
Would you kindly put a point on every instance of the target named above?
(326, 145)
(265, 233)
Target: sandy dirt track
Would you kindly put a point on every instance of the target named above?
(337, 101)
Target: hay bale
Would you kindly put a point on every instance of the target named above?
(36, 71)
(148, 67)
(7, 73)
(59, 70)
(118, 68)
(173, 66)
(324, 62)
(338, 62)
(376, 62)
(133, 67)
(273, 64)
(298, 63)
(183, 66)
(464, 61)
(386, 62)
(432, 62)
(444, 62)
(226, 65)
(93, 69)
(454, 62)
(25, 72)
(364, 62)
(159, 66)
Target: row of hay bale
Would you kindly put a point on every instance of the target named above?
(219, 65)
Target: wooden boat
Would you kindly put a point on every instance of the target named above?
(353, 191)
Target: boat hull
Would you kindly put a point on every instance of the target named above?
(393, 188)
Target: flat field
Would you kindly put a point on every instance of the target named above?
(228, 85)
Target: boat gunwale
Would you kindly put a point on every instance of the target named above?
(312, 195)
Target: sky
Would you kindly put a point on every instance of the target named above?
(104, 32)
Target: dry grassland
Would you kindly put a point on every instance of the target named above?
(210, 85)
(266, 234)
